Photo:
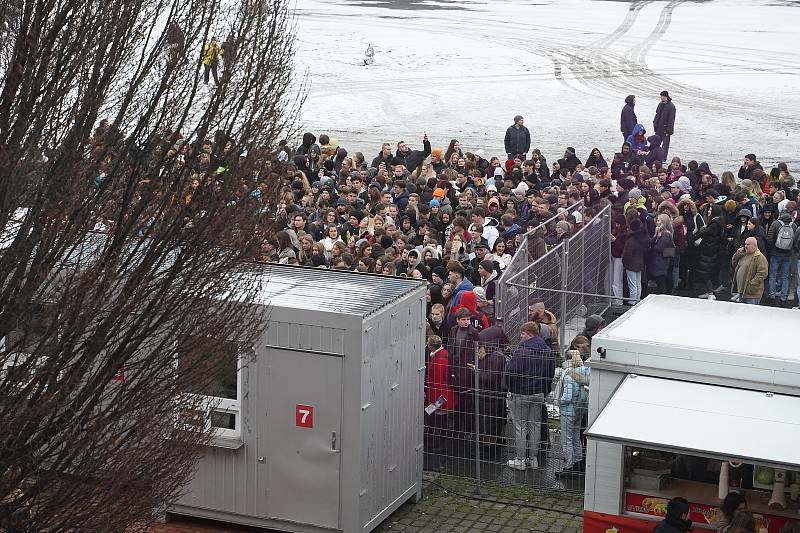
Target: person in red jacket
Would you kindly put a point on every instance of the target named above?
(439, 394)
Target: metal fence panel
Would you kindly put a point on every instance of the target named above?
(479, 434)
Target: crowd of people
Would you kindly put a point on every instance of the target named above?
(455, 217)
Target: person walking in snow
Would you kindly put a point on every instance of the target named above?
(211, 55)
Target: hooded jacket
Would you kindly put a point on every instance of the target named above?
(531, 368)
(627, 119)
(308, 140)
(655, 153)
(637, 141)
(664, 121)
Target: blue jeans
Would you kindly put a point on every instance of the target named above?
(751, 301)
(780, 263)
(571, 438)
(634, 285)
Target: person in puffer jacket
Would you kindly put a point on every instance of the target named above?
(573, 402)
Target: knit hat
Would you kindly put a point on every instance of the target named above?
(438, 193)
(434, 203)
(634, 194)
(498, 172)
(437, 153)
(665, 93)
(480, 294)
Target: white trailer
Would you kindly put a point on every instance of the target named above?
(681, 389)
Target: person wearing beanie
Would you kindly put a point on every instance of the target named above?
(664, 122)
(437, 160)
(518, 139)
(434, 203)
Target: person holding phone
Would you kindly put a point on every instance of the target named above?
(750, 269)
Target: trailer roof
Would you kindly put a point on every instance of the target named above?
(697, 418)
(337, 291)
(699, 324)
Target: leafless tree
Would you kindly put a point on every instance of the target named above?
(126, 296)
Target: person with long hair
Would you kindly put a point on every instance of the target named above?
(453, 148)
(662, 256)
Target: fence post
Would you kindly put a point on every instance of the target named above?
(476, 404)
(562, 331)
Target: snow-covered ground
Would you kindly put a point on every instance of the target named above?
(463, 69)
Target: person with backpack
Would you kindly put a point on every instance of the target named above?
(780, 240)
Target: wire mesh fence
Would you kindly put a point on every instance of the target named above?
(493, 411)
(497, 410)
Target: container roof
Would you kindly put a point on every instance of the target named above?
(338, 291)
(698, 418)
(712, 326)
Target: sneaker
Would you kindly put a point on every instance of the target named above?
(711, 297)
(705, 295)
(721, 288)
(796, 307)
(532, 463)
(736, 297)
(516, 464)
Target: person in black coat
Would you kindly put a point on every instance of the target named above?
(411, 159)
(708, 261)
(596, 159)
(570, 160)
(677, 519)
(627, 119)
(664, 121)
(634, 256)
(518, 138)
(655, 151)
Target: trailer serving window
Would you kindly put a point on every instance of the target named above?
(701, 441)
(212, 369)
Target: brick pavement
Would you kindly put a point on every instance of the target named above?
(442, 511)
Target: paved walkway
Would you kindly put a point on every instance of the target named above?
(442, 510)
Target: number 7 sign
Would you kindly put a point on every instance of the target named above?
(304, 416)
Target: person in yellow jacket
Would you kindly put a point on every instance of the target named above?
(211, 55)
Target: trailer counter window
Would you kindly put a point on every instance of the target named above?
(211, 369)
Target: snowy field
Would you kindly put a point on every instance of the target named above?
(462, 69)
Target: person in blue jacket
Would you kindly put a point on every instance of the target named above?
(529, 374)
(638, 140)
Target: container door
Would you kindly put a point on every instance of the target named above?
(303, 456)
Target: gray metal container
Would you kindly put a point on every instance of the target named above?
(350, 347)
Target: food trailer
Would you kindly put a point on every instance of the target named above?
(322, 429)
(693, 398)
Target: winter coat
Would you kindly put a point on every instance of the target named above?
(571, 162)
(746, 173)
(656, 153)
(627, 119)
(211, 53)
(639, 143)
(462, 351)
(458, 293)
(660, 265)
(749, 273)
(531, 368)
(599, 163)
(664, 121)
(437, 381)
(518, 140)
(772, 234)
(636, 246)
(380, 158)
(708, 262)
(413, 158)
